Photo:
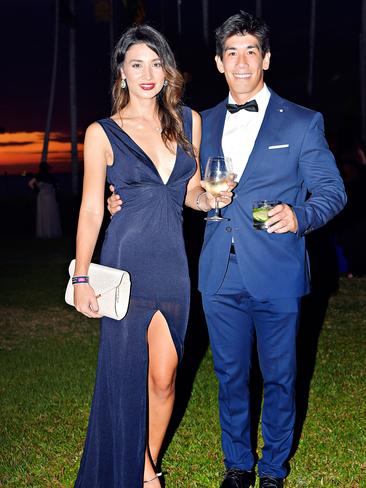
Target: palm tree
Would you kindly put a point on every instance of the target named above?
(205, 21)
(104, 11)
(258, 8)
(363, 70)
(162, 15)
(179, 15)
(111, 24)
(47, 131)
(73, 100)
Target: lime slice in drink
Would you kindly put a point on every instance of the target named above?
(260, 215)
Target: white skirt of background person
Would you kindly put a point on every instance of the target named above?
(48, 223)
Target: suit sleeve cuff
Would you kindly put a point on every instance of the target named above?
(302, 222)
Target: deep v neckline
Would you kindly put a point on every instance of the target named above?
(147, 156)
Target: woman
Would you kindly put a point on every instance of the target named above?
(146, 150)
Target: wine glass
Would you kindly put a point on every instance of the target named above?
(218, 173)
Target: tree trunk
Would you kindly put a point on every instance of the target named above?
(258, 8)
(205, 21)
(111, 24)
(310, 84)
(111, 33)
(363, 70)
(47, 131)
(179, 17)
(73, 103)
(162, 15)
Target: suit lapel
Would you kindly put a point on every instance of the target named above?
(271, 124)
(214, 131)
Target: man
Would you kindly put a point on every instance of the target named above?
(252, 281)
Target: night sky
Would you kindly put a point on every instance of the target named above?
(26, 31)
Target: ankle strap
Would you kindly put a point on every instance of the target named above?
(152, 479)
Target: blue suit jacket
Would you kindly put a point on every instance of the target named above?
(302, 174)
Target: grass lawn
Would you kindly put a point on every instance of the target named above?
(48, 356)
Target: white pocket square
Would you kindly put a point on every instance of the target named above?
(279, 146)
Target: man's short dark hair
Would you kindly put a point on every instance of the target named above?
(242, 24)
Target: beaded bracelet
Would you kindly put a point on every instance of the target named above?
(198, 201)
(76, 280)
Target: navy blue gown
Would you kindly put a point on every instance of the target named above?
(144, 238)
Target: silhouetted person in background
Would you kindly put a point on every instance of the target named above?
(48, 225)
(351, 223)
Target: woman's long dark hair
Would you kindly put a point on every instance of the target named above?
(170, 97)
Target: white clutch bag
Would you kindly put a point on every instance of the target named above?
(112, 288)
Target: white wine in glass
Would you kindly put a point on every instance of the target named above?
(218, 173)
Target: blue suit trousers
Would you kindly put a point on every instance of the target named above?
(234, 319)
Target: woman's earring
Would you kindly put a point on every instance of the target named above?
(123, 83)
(165, 83)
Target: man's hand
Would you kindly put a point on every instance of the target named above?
(282, 219)
(114, 202)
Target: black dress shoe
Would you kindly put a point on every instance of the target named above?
(270, 482)
(236, 478)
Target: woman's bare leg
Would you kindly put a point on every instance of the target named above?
(163, 362)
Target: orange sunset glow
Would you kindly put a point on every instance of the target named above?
(21, 151)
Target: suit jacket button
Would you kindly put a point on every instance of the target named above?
(228, 229)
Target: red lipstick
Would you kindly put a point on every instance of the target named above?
(147, 86)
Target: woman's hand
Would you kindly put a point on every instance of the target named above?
(85, 300)
(225, 197)
(114, 202)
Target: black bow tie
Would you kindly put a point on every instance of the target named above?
(251, 106)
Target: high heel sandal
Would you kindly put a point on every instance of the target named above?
(155, 464)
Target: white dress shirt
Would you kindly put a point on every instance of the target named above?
(241, 130)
